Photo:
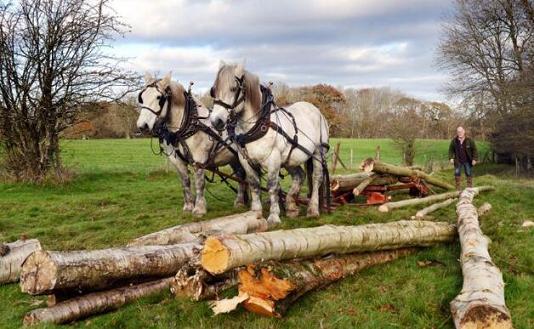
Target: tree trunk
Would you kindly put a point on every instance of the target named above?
(345, 183)
(46, 272)
(425, 211)
(272, 287)
(197, 284)
(13, 255)
(480, 304)
(222, 253)
(94, 303)
(359, 189)
(384, 168)
(247, 222)
(429, 199)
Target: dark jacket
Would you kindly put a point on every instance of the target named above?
(470, 150)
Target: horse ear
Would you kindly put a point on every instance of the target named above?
(240, 70)
(166, 81)
(221, 64)
(148, 78)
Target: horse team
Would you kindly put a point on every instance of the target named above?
(244, 129)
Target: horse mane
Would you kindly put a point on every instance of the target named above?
(225, 78)
(177, 91)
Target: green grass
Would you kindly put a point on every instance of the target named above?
(122, 191)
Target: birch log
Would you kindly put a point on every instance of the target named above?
(13, 256)
(425, 211)
(94, 303)
(480, 304)
(359, 189)
(221, 253)
(429, 199)
(46, 272)
(247, 222)
(384, 168)
(198, 284)
(273, 286)
(345, 183)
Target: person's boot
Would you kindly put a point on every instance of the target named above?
(469, 181)
(458, 180)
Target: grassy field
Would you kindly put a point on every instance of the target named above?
(121, 191)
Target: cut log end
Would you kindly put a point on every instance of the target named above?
(367, 165)
(383, 208)
(37, 273)
(487, 317)
(215, 256)
(261, 306)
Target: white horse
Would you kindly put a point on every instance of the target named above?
(185, 138)
(270, 138)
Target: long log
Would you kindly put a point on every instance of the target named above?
(427, 210)
(94, 303)
(222, 253)
(198, 284)
(345, 183)
(481, 303)
(429, 199)
(385, 168)
(46, 272)
(243, 223)
(273, 286)
(13, 255)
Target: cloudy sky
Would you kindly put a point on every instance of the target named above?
(349, 43)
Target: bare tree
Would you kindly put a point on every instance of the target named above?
(53, 60)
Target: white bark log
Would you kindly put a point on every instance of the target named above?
(429, 199)
(425, 211)
(222, 253)
(243, 223)
(15, 254)
(480, 304)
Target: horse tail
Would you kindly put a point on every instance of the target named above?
(309, 175)
(325, 197)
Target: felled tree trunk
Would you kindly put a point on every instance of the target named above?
(46, 272)
(273, 286)
(429, 199)
(425, 211)
(94, 303)
(222, 253)
(345, 183)
(238, 224)
(13, 255)
(384, 168)
(359, 189)
(197, 284)
(480, 304)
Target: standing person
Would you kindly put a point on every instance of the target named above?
(464, 155)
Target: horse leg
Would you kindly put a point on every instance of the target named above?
(297, 175)
(317, 177)
(273, 186)
(242, 187)
(200, 202)
(183, 173)
(253, 180)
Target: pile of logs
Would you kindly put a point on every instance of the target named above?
(272, 269)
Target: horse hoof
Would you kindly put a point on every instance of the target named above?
(239, 204)
(292, 213)
(187, 208)
(199, 212)
(312, 213)
(273, 220)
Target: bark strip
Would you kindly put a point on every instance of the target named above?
(481, 303)
(13, 255)
(243, 223)
(222, 253)
(94, 303)
(429, 199)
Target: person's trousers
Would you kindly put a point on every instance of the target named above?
(467, 168)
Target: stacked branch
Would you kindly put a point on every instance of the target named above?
(225, 252)
(371, 165)
(94, 303)
(427, 210)
(237, 224)
(481, 303)
(426, 200)
(12, 255)
(346, 183)
(273, 286)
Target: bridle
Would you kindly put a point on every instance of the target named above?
(239, 96)
(165, 97)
